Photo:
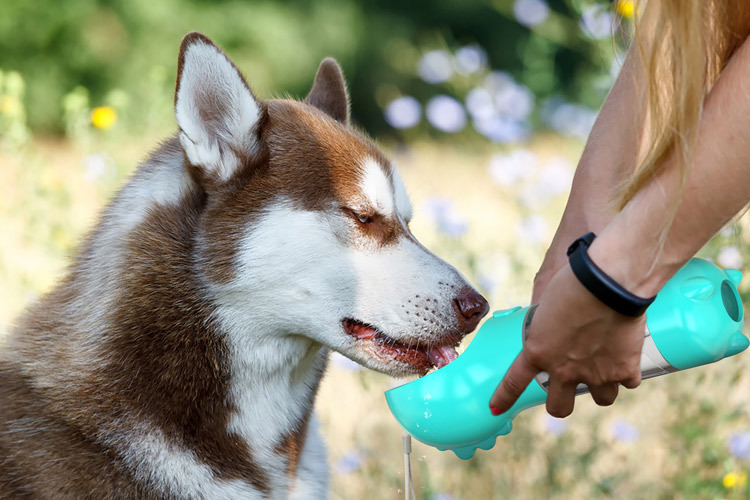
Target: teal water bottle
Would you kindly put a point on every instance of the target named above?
(695, 320)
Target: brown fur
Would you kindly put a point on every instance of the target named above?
(160, 359)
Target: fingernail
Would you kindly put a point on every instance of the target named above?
(495, 411)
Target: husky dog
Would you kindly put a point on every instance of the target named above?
(181, 354)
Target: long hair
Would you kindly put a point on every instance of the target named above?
(683, 45)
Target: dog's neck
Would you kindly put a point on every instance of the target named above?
(137, 319)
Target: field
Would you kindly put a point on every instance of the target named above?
(490, 211)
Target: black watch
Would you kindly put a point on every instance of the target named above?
(596, 281)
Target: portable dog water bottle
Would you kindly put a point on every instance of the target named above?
(695, 320)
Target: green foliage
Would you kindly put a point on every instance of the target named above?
(102, 45)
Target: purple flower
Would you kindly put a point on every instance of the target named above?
(446, 114)
(470, 59)
(596, 22)
(443, 496)
(739, 445)
(350, 462)
(449, 221)
(435, 66)
(624, 431)
(403, 112)
(555, 426)
(531, 13)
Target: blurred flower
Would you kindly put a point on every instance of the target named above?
(531, 13)
(480, 103)
(470, 59)
(626, 8)
(403, 112)
(9, 105)
(624, 431)
(443, 496)
(487, 283)
(345, 363)
(446, 114)
(556, 177)
(435, 66)
(502, 130)
(506, 170)
(596, 22)
(512, 99)
(568, 119)
(735, 480)
(349, 463)
(99, 167)
(103, 117)
(730, 257)
(533, 230)
(739, 445)
(555, 426)
(444, 213)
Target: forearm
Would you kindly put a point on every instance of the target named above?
(718, 187)
(609, 157)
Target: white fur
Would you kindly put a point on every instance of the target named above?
(210, 83)
(403, 204)
(312, 473)
(376, 187)
(174, 470)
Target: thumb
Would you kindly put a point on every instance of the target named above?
(519, 376)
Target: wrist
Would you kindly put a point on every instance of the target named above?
(640, 269)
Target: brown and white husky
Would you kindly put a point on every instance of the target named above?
(181, 354)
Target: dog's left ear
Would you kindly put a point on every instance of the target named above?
(218, 115)
(328, 92)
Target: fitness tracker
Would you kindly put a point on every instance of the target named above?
(596, 281)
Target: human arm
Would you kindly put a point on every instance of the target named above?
(574, 337)
(608, 158)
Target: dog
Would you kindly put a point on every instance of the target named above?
(180, 355)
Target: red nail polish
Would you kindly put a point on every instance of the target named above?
(495, 411)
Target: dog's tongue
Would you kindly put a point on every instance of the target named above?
(441, 356)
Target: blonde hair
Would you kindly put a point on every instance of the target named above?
(683, 47)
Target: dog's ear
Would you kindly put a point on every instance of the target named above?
(218, 115)
(328, 92)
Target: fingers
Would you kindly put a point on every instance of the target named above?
(519, 376)
(605, 394)
(561, 398)
(632, 382)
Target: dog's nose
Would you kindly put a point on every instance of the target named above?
(470, 307)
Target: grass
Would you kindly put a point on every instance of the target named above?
(666, 440)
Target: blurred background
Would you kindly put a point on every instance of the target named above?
(485, 105)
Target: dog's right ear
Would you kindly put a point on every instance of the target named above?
(217, 113)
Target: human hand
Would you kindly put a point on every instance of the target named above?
(574, 338)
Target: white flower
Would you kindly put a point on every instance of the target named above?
(508, 169)
(531, 13)
(596, 22)
(730, 257)
(470, 59)
(435, 66)
(533, 230)
(403, 112)
(446, 114)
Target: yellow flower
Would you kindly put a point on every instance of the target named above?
(9, 105)
(625, 8)
(735, 480)
(103, 117)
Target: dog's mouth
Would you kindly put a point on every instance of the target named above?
(421, 358)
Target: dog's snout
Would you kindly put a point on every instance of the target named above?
(470, 307)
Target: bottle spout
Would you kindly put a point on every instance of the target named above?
(737, 343)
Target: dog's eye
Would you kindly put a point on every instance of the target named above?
(364, 219)
(359, 216)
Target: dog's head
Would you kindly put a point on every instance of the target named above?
(306, 225)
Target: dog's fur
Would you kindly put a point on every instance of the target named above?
(181, 354)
